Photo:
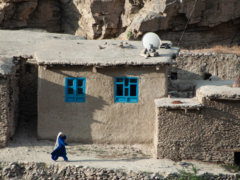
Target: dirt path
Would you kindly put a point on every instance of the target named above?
(25, 149)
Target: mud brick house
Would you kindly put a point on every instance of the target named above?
(100, 91)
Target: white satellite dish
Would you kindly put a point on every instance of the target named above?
(151, 40)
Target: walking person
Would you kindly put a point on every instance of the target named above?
(59, 148)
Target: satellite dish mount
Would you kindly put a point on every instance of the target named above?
(151, 41)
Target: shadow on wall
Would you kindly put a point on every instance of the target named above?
(73, 119)
(185, 75)
(226, 118)
(27, 118)
(70, 17)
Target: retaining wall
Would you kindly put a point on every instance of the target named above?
(42, 171)
(207, 134)
(189, 65)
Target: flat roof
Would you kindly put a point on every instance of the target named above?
(99, 52)
(53, 48)
(26, 42)
(216, 89)
(178, 103)
(221, 89)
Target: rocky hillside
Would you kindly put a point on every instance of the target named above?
(206, 22)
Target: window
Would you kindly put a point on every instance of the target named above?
(126, 89)
(75, 89)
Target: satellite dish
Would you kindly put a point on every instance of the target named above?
(151, 40)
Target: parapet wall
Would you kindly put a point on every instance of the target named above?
(189, 65)
(210, 133)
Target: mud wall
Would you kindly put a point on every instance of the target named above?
(190, 65)
(18, 97)
(4, 99)
(9, 98)
(99, 119)
(209, 134)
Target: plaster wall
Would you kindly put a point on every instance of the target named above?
(99, 119)
(209, 134)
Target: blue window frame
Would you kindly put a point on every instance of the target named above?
(126, 89)
(75, 89)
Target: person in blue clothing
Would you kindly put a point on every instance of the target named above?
(59, 149)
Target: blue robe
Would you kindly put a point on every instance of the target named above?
(60, 151)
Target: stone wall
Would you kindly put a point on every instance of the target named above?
(9, 92)
(190, 64)
(208, 134)
(4, 100)
(189, 67)
(42, 171)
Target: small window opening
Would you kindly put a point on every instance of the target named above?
(70, 82)
(133, 90)
(70, 90)
(75, 89)
(126, 89)
(133, 80)
(80, 82)
(174, 76)
(119, 90)
(28, 68)
(80, 91)
(126, 81)
(237, 158)
(119, 79)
